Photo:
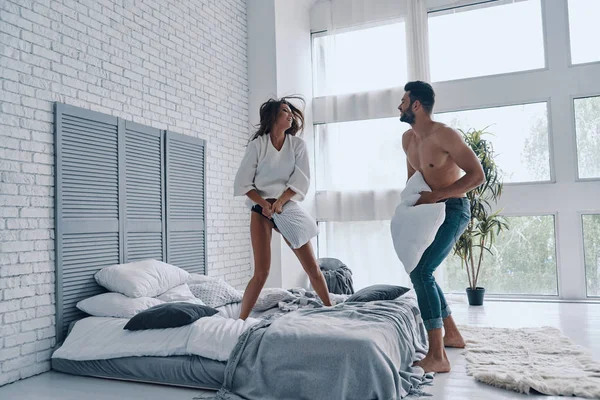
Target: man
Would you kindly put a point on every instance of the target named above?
(439, 153)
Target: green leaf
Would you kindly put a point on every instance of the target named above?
(485, 225)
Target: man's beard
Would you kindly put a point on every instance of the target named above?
(408, 117)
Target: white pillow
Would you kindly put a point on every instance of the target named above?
(215, 337)
(180, 293)
(216, 293)
(198, 278)
(414, 227)
(147, 278)
(230, 310)
(116, 305)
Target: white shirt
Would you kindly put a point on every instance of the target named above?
(271, 172)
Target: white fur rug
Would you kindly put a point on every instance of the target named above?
(526, 359)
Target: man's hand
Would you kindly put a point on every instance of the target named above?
(427, 198)
(277, 207)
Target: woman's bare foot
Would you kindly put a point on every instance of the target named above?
(429, 364)
(455, 341)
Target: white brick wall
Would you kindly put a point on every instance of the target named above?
(170, 64)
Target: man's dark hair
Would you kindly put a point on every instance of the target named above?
(422, 91)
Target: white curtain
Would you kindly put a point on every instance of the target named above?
(361, 167)
(418, 41)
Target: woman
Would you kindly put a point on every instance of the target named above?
(274, 174)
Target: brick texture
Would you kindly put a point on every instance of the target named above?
(177, 65)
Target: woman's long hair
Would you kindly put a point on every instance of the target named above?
(269, 111)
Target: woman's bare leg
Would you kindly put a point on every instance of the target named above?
(306, 256)
(260, 234)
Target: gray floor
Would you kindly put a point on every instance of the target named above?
(54, 385)
(580, 322)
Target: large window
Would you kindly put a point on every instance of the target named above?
(591, 245)
(487, 39)
(584, 27)
(587, 130)
(506, 66)
(361, 155)
(524, 261)
(520, 138)
(359, 60)
(367, 248)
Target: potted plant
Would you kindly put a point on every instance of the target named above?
(484, 226)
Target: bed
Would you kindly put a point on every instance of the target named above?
(182, 371)
(127, 192)
(191, 371)
(354, 350)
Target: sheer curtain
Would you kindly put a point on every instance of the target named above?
(361, 62)
(418, 39)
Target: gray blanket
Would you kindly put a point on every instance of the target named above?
(352, 351)
(337, 275)
(302, 298)
(339, 281)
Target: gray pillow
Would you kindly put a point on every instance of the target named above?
(216, 293)
(169, 315)
(378, 292)
(330, 264)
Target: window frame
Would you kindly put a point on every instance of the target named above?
(335, 31)
(580, 215)
(514, 88)
(488, 4)
(547, 101)
(556, 255)
(574, 127)
(569, 43)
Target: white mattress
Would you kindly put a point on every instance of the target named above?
(101, 338)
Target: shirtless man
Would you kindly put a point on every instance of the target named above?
(440, 154)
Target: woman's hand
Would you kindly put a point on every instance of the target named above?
(282, 200)
(277, 206)
(267, 209)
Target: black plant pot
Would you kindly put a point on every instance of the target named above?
(475, 296)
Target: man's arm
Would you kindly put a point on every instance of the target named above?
(406, 138)
(466, 160)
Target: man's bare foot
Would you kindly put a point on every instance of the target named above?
(455, 341)
(429, 364)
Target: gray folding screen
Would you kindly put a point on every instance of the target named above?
(124, 192)
(144, 200)
(186, 236)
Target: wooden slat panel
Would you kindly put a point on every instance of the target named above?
(82, 256)
(186, 211)
(144, 187)
(88, 156)
(111, 201)
(144, 245)
(187, 251)
(87, 206)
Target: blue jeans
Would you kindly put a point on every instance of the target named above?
(430, 297)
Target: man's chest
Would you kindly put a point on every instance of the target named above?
(425, 154)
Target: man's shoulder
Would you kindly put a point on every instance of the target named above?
(444, 132)
(407, 137)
